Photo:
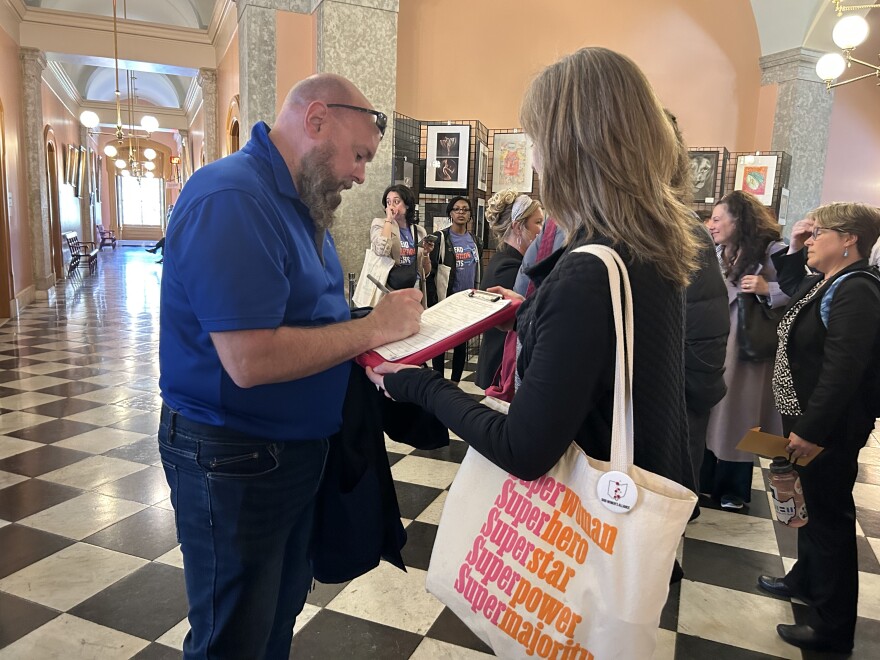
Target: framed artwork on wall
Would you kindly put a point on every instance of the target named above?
(706, 175)
(481, 163)
(512, 162)
(481, 221)
(404, 173)
(79, 176)
(70, 164)
(756, 175)
(447, 158)
(432, 211)
(98, 176)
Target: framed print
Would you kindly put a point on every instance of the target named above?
(481, 163)
(70, 165)
(403, 173)
(756, 175)
(481, 221)
(98, 176)
(434, 212)
(782, 216)
(447, 161)
(441, 222)
(79, 173)
(706, 175)
(512, 162)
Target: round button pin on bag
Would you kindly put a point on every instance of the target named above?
(617, 491)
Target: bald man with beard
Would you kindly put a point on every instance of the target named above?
(255, 347)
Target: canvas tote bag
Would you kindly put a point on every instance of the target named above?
(367, 294)
(545, 568)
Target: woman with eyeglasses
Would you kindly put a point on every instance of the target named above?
(826, 382)
(515, 220)
(747, 235)
(455, 266)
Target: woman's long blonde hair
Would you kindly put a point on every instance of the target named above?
(608, 157)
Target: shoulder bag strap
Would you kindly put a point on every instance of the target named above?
(621, 304)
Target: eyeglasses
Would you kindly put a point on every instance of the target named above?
(817, 231)
(457, 210)
(381, 117)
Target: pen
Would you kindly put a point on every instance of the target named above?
(379, 285)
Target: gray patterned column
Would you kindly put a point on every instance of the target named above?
(256, 63)
(801, 124)
(33, 62)
(207, 80)
(358, 39)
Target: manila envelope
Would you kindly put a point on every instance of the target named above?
(769, 445)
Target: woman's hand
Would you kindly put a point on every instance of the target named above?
(508, 294)
(800, 448)
(755, 284)
(377, 375)
(801, 231)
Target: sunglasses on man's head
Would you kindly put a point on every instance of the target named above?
(381, 117)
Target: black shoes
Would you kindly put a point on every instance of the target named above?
(151, 250)
(805, 637)
(775, 586)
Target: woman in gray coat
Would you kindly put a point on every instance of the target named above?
(748, 236)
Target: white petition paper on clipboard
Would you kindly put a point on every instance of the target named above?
(440, 322)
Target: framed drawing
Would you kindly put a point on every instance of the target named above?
(98, 176)
(432, 211)
(756, 175)
(782, 216)
(481, 163)
(481, 222)
(440, 222)
(512, 162)
(706, 175)
(70, 165)
(447, 161)
(79, 175)
(403, 173)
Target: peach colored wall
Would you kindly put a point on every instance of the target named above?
(227, 88)
(765, 116)
(197, 138)
(852, 166)
(701, 57)
(66, 128)
(296, 51)
(19, 229)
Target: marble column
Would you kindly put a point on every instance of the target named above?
(33, 61)
(358, 39)
(207, 80)
(800, 125)
(256, 63)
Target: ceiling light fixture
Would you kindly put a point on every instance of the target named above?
(849, 32)
(123, 133)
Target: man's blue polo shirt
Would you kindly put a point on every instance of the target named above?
(240, 255)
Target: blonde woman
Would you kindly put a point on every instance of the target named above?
(606, 154)
(515, 221)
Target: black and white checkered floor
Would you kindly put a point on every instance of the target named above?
(89, 565)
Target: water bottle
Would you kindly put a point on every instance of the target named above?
(787, 494)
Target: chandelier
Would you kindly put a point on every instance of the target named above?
(133, 166)
(849, 32)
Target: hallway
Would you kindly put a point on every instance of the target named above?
(89, 563)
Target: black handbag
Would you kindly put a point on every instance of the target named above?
(756, 328)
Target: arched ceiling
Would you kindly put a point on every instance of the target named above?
(181, 13)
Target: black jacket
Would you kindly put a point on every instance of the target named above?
(501, 271)
(707, 324)
(831, 368)
(567, 365)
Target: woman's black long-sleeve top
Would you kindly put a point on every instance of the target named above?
(567, 365)
(501, 271)
(830, 367)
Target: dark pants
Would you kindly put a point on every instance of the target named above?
(244, 508)
(720, 478)
(826, 574)
(459, 357)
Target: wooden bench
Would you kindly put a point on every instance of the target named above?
(105, 237)
(82, 253)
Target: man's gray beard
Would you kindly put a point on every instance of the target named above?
(318, 187)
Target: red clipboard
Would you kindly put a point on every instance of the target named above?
(503, 315)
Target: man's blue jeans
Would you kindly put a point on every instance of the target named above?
(244, 508)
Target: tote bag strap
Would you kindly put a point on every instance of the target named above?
(621, 304)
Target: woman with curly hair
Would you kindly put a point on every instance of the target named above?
(515, 221)
(748, 236)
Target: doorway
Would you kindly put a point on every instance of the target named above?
(54, 214)
(7, 291)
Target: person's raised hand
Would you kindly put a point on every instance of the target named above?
(396, 316)
(755, 284)
(801, 231)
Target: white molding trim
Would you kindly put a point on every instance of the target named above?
(193, 100)
(226, 29)
(11, 16)
(67, 87)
